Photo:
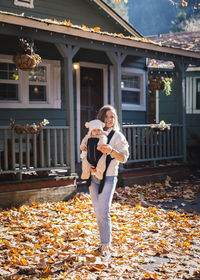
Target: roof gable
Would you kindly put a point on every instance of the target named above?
(80, 12)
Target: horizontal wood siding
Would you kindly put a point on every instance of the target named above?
(23, 116)
(134, 117)
(93, 56)
(77, 11)
(193, 126)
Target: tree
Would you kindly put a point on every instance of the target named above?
(187, 18)
(120, 7)
(178, 23)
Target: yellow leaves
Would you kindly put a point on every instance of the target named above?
(186, 244)
(97, 29)
(117, 1)
(172, 214)
(63, 236)
(97, 267)
(184, 4)
(138, 207)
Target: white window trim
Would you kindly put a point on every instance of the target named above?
(191, 95)
(142, 105)
(53, 90)
(24, 3)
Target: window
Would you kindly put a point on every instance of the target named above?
(132, 87)
(24, 3)
(193, 95)
(38, 88)
(198, 95)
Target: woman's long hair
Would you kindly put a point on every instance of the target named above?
(102, 115)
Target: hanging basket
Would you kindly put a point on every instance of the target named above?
(156, 83)
(26, 62)
(27, 129)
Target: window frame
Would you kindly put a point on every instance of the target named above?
(53, 87)
(27, 4)
(191, 95)
(141, 74)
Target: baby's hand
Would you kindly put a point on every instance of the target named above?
(83, 148)
(92, 169)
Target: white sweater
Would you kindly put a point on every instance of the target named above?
(119, 143)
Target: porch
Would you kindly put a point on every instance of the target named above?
(49, 150)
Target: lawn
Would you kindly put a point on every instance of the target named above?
(150, 239)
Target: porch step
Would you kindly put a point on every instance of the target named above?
(158, 174)
(14, 194)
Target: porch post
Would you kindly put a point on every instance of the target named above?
(68, 52)
(181, 68)
(117, 58)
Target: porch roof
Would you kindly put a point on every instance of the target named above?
(144, 47)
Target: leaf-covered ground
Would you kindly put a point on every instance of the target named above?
(57, 240)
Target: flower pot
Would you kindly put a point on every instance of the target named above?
(27, 129)
(26, 62)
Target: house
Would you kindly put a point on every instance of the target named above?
(187, 41)
(90, 57)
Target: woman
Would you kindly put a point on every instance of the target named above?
(101, 199)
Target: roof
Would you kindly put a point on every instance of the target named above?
(106, 8)
(93, 34)
(189, 41)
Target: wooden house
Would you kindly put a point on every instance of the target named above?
(89, 57)
(166, 106)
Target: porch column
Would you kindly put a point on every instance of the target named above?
(68, 52)
(117, 58)
(181, 68)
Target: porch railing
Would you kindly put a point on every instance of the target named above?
(49, 149)
(34, 152)
(146, 144)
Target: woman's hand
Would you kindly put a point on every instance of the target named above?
(108, 150)
(105, 149)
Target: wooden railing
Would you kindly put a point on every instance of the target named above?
(34, 152)
(147, 144)
(49, 149)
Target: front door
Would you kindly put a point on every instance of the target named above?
(91, 95)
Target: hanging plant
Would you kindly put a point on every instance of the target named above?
(160, 83)
(26, 59)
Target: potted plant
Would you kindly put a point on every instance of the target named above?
(162, 126)
(28, 128)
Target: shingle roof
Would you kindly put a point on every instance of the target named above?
(189, 41)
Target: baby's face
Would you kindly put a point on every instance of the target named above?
(96, 132)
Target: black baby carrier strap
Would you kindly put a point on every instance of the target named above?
(108, 160)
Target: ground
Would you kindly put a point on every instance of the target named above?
(155, 235)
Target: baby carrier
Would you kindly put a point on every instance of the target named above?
(93, 155)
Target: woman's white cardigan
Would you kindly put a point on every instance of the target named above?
(119, 143)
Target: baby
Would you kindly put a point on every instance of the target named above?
(92, 158)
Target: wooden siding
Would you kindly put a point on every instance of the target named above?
(77, 11)
(168, 106)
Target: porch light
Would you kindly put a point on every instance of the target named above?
(75, 66)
